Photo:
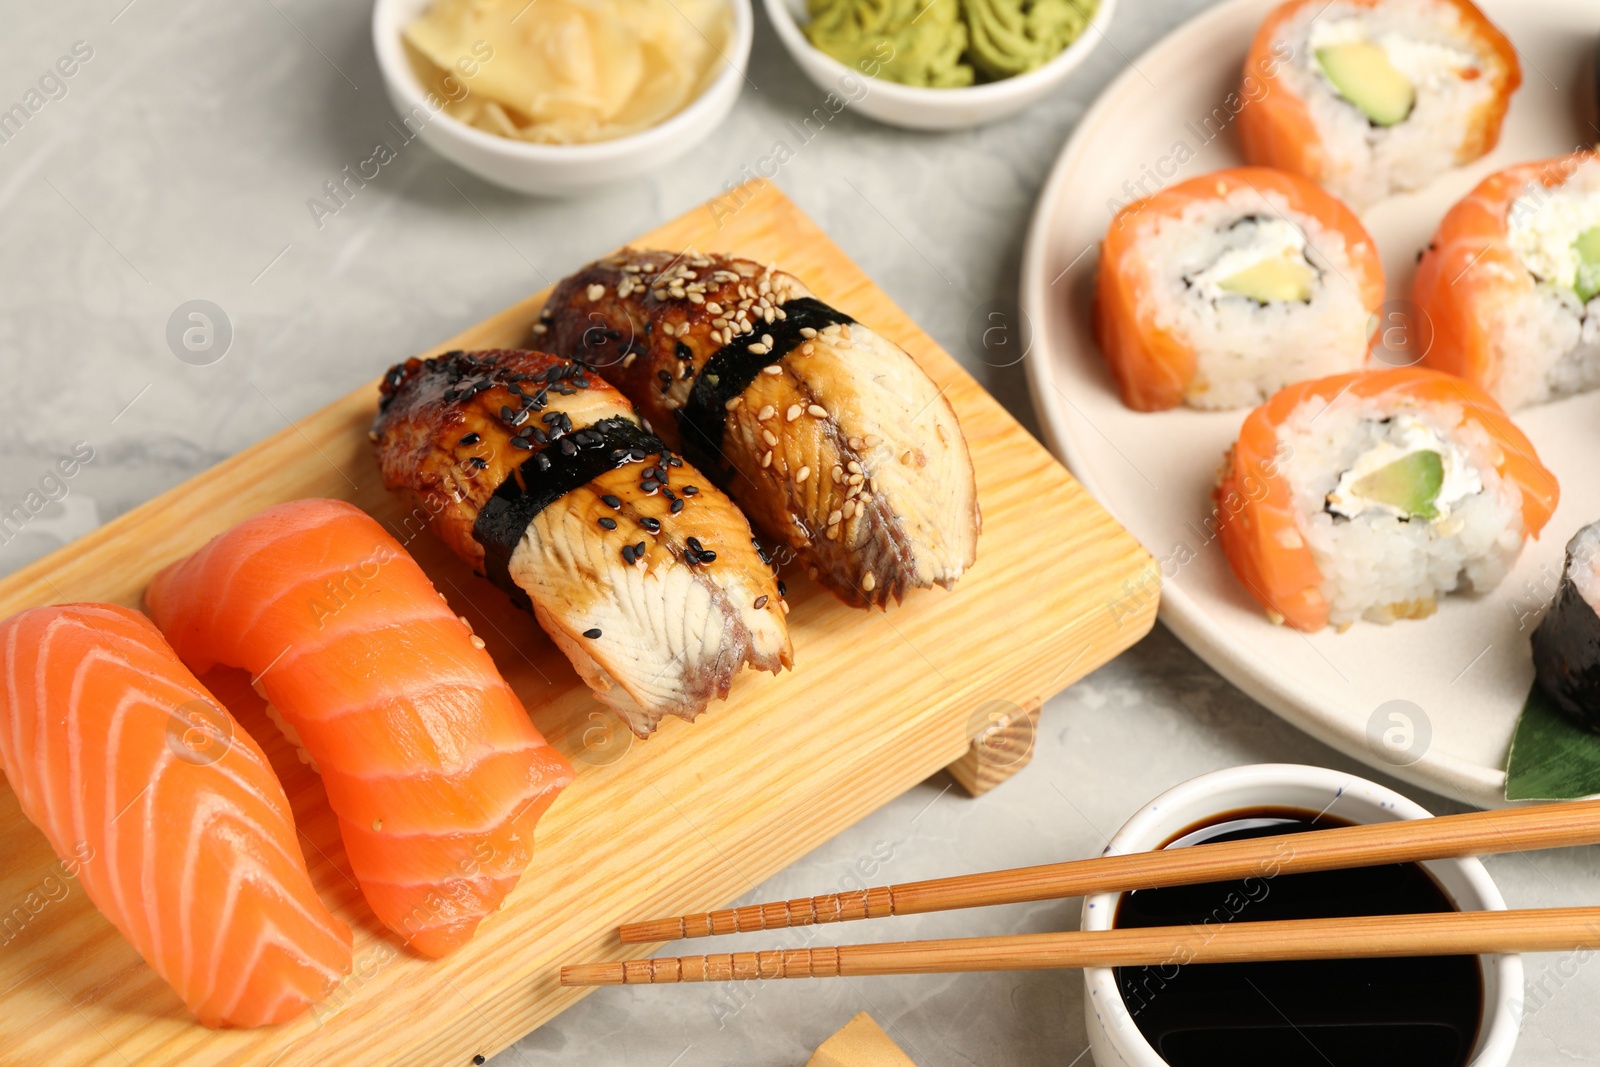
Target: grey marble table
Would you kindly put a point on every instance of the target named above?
(176, 164)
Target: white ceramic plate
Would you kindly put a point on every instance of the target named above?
(1462, 674)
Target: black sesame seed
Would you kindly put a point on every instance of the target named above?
(691, 490)
(649, 485)
(683, 352)
(592, 633)
(568, 448)
(688, 372)
(694, 543)
(708, 556)
(628, 555)
(677, 506)
(506, 414)
(543, 461)
(761, 601)
(540, 436)
(612, 502)
(478, 1060)
(550, 417)
(664, 375)
(653, 525)
(521, 442)
(607, 522)
(783, 590)
(638, 549)
(477, 462)
(471, 439)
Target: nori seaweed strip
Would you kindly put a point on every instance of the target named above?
(541, 481)
(732, 368)
(1566, 652)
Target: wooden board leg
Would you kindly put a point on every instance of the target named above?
(1002, 744)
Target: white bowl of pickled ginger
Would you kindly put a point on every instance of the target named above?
(556, 96)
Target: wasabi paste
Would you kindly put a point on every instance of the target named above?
(946, 43)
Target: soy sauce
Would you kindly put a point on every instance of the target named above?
(1410, 1012)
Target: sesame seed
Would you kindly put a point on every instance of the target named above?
(856, 479)
(766, 460)
(766, 339)
(857, 444)
(868, 582)
(808, 332)
(761, 601)
(653, 525)
(691, 490)
(470, 439)
(817, 411)
(477, 642)
(766, 412)
(834, 516)
(463, 619)
(853, 467)
(596, 291)
(770, 438)
(794, 412)
(802, 474)
(733, 403)
(772, 368)
(540, 328)
(607, 522)
(784, 604)
(759, 349)
(377, 825)
(627, 360)
(905, 457)
(592, 633)
(677, 506)
(838, 474)
(871, 440)
(612, 502)
(713, 307)
(807, 348)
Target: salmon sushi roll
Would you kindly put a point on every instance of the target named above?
(1510, 281)
(1219, 291)
(1370, 495)
(1374, 97)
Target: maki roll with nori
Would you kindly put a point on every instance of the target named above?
(1566, 646)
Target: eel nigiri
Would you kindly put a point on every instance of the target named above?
(1370, 495)
(430, 762)
(541, 477)
(1511, 279)
(188, 849)
(1218, 291)
(829, 436)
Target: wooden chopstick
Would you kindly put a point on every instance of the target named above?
(1434, 934)
(1480, 833)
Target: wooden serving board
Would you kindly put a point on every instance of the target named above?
(688, 820)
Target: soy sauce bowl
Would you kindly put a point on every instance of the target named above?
(1114, 1035)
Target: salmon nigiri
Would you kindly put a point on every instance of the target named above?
(189, 849)
(429, 759)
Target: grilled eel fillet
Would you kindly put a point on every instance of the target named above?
(540, 476)
(829, 436)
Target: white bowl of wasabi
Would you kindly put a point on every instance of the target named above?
(921, 108)
(554, 169)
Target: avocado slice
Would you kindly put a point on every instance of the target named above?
(1275, 278)
(1361, 73)
(1587, 246)
(1410, 484)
